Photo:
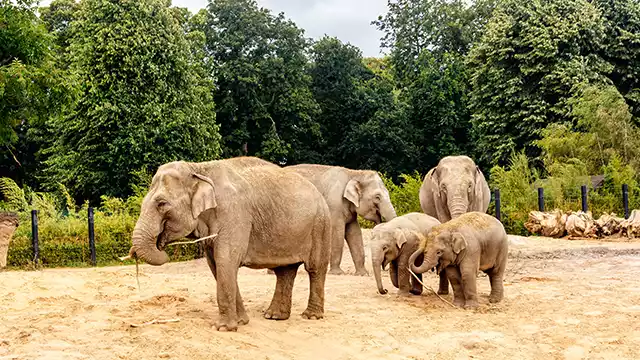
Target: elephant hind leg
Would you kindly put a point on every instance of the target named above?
(496, 276)
(280, 308)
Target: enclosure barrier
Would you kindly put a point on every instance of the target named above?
(496, 198)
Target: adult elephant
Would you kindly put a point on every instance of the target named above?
(263, 216)
(349, 193)
(454, 187)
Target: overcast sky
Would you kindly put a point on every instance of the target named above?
(348, 20)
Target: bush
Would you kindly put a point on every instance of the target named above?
(63, 230)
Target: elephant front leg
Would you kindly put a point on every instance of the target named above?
(443, 287)
(337, 245)
(469, 274)
(407, 285)
(453, 274)
(280, 308)
(353, 235)
(243, 318)
(227, 291)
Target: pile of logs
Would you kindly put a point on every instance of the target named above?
(578, 224)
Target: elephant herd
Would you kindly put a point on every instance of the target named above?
(260, 215)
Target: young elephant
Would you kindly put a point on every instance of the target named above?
(462, 246)
(264, 217)
(392, 243)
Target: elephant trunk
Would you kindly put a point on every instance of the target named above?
(457, 207)
(424, 267)
(377, 257)
(145, 235)
(386, 210)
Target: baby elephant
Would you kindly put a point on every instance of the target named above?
(392, 243)
(462, 246)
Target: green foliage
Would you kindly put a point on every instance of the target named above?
(143, 102)
(64, 238)
(525, 69)
(405, 196)
(264, 103)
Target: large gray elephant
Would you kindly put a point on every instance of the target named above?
(453, 187)
(349, 193)
(392, 243)
(264, 217)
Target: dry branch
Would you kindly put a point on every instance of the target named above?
(155, 321)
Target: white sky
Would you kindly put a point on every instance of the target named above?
(348, 20)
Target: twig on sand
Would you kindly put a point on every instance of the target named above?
(429, 288)
(155, 321)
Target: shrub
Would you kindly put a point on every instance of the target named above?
(63, 238)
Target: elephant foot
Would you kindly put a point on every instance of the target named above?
(416, 291)
(459, 302)
(336, 271)
(403, 293)
(222, 325)
(243, 319)
(313, 314)
(276, 314)
(362, 272)
(495, 298)
(443, 292)
(472, 304)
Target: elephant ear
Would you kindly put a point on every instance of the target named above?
(401, 237)
(352, 192)
(204, 198)
(459, 242)
(481, 195)
(439, 202)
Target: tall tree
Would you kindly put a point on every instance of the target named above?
(525, 69)
(622, 29)
(32, 88)
(264, 105)
(143, 102)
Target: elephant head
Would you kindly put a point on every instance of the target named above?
(386, 248)
(367, 193)
(442, 250)
(457, 186)
(178, 194)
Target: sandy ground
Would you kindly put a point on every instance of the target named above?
(564, 299)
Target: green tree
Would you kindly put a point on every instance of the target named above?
(525, 69)
(143, 101)
(622, 29)
(32, 89)
(264, 105)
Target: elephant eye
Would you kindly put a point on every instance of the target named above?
(439, 252)
(162, 205)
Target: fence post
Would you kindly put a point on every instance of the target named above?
(541, 199)
(34, 236)
(497, 199)
(625, 200)
(92, 240)
(583, 190)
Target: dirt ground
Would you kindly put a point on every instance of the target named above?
(564, 300)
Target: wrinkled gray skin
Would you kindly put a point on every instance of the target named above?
(264, 216)
(470, 243)
(455, 186)
(349, 193)
(392, 243)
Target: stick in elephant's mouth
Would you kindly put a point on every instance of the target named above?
(133, 255)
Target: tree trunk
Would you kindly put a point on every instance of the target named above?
(8, 225)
